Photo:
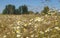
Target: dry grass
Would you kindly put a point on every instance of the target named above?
(29, 26)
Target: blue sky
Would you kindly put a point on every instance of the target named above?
(34, 5)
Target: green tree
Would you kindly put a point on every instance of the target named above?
(9, 9)
(45, 10)
(17, 11)
(20, 9)
(4, 11)
(23, 9)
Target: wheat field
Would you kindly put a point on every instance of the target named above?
(29, 26)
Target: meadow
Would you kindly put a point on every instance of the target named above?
(30, 26)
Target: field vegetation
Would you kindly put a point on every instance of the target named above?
(30, 26)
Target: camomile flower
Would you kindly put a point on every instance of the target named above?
(17, 31)
(4, 36)
(47, 30)
(41, 32)
(57, 28)
(30, 23)
(18, 35)
(25, 24)
(17, 27)
(31, 19)
(18, 23)
(32, 35)
(38, 19)
(27, 37)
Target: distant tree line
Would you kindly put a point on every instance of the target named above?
(10, 9)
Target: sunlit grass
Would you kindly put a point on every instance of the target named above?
(29, 26)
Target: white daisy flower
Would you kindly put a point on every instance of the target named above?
(31, 19)
(41, 32)
(17, 27)
(30, 23)
(27, 37)
(38, 19)
(32, 35)
(18, 23)
(47, 30)
(18, 35)
(17, 31)
(4, 36)
(57, 28)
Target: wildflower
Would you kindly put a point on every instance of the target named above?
(25, 24)
(18, 23)
(4, 36)
(17, 31)
(57, 28)
(31, 19)
(30, 23)
(35, 26)
(18, 27)
(41, 32)
(38, 19)
(47, 30)
(18, 35)
(27, 37)
(32, 35)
